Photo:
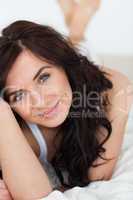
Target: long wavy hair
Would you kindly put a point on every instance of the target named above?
(80, 145)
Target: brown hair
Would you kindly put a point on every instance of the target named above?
(79, 147)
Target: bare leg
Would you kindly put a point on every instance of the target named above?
(83, 14)
(77, 16)
(67, 7)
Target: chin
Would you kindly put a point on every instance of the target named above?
(57, 119)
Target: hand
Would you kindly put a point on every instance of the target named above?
(4, 193)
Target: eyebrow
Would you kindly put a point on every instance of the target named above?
(34, 78)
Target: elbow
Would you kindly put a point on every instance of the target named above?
(100, 176)
(107, 178)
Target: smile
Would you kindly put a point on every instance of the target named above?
(50, 112)
(51, 109)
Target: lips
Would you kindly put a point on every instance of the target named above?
(51, 109)
(46, 112)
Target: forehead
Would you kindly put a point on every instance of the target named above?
(24, 68)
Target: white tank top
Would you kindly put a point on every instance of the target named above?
(49, 169)
(40, 140)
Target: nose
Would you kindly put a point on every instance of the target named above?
(37, 100)
(40, 100)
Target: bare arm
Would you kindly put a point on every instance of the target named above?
(121, 99)
(22, 172)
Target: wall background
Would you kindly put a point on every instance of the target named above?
(110, 32)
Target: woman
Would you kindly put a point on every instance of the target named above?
(80, 108)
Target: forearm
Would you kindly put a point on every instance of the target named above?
(22, 172)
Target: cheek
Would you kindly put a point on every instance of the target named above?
(23, 111)
(66, 92)
(67, 97)
(58, 84)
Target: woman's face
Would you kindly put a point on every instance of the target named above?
(38, 91)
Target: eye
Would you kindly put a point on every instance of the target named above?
(43, 77)
(18, 97)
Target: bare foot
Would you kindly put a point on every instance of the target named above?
(77, 16)
(82, 14)
(67, 7)
(93, 4)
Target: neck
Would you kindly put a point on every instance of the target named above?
(49, 135)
